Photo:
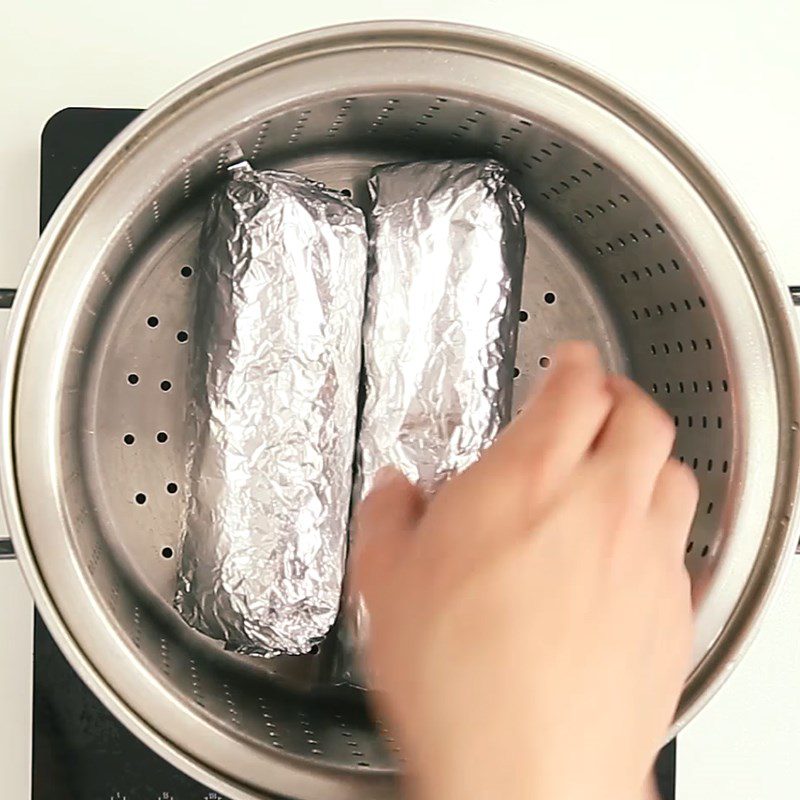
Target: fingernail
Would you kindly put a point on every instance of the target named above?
(384, 476)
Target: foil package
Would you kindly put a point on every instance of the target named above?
(448, 245)
(272, 414)
(440, 329)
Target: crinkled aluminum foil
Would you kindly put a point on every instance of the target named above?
(447, 251)
(273, 412)
(441, 318)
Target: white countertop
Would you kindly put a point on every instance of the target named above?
(724, 73)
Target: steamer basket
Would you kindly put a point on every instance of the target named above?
(632, 243)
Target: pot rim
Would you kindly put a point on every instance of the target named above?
(775, 303)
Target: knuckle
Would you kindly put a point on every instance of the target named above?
(660, 425)
(573, 398)
(665, 427)
(682, 480)
(567, 380)
(568, 404)
(660, 417)
(593, 401)
(575, 364)
(652, 410)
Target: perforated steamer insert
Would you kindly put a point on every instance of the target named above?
(631, 243)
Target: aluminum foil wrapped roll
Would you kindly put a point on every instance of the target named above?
(447, 250)
(441, 319)
(276, 360)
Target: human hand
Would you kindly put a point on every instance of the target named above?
(530, 626)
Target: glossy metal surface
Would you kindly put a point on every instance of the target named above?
(440, 330)
(273, 388)
(632, 242)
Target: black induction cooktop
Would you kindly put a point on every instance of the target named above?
(80, 751)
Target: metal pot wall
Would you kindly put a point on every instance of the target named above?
(633, 243)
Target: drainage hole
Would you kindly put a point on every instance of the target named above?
(549, 298)
(129, 438)
(182, 336)
(162, 437)
(523, 316)
(347, 193)
(152, 322)
(167, 552)
(141, 498)
(186, 271)
(133, 379)
(172, 487)
(165, 386)
(544, 362)
(516, 372)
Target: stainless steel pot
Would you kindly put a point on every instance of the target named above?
(633, 243)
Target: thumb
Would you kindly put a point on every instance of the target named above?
(383, 523)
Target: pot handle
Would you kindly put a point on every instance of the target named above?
(6, 548)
